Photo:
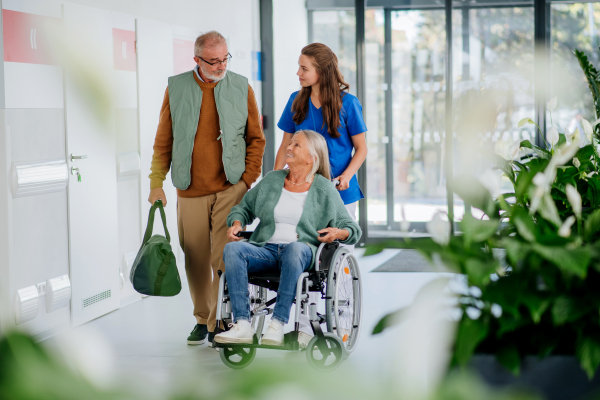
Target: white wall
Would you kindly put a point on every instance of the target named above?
(290, 35)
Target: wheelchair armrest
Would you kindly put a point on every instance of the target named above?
(318, 256)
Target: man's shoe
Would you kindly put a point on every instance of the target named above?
(240, 332)
(274, 335)
(198, 335)
(211, 338)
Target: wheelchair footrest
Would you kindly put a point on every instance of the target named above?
(290, 342)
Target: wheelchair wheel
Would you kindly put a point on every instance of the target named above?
(317, 359)
(344, 299)
(237, 357)
(258, 297)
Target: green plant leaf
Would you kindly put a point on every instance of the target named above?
(536, 306)
(504, 165)
(470, 334)
(588, 352)
(474, 193)
(593, 192)
(592, 225)
(525, 225)
(476, 230)
(566, 309)
(571, 261)
(508, 356)
(515, 249)
(562, 140)
(545, 154)
(388, 320)
(479, 271)
(591, 74)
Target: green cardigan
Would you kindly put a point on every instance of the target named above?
(323, 208)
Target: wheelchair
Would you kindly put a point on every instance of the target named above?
(335, 279)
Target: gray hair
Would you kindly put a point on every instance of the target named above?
(317, 148)
(208, 39)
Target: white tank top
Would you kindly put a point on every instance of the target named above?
(287, 215)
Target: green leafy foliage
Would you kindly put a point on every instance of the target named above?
(546, 285)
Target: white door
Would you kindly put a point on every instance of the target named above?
(89, 122)
(154, 45)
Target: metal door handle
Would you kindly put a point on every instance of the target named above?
(74, 157)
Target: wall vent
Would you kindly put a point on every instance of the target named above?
(26, 304)
(30, 179)
(97, 298)
(58, 293)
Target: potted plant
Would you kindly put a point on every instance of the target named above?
(532, 264)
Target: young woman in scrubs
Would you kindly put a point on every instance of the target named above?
(325, 106)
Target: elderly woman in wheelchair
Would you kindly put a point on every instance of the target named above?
(299, 209)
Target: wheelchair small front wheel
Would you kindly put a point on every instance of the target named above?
(328, 354)
(237, 357)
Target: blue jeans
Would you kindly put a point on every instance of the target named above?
(243, 258)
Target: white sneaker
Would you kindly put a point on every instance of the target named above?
(303, 339)
(241, 332)
(274, 335)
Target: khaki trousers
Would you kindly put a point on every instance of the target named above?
(202, 226)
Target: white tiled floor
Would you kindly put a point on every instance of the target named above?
(149, 336)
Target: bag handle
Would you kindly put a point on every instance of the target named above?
(157, 204)
(160, 274)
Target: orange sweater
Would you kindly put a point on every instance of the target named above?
(207, 172)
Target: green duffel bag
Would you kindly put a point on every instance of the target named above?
(154, 271)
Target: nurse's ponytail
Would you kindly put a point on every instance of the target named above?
(331, 86)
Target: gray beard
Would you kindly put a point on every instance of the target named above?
(212, 77)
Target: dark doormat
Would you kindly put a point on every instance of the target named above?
(408, 261)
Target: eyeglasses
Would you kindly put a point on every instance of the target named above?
(229, 57)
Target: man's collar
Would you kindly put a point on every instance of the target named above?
(197, 71)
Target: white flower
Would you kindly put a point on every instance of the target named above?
(565, 229)
(552, 104)
(513, 152)
(540, 180)
(439, 229)
(576, 162)
(491, 181)
(496, 309)
(587, 128)
(525, 121)
(574, 199)
(576, 136)
(404, 224)
(552, 136)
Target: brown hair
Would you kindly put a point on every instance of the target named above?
(331, 84)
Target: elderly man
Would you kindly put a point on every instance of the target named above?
(210, 135)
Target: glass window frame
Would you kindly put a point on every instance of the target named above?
(542, 37)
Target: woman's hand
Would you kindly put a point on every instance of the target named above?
(232, 232)
(333, 234)
(344, 182)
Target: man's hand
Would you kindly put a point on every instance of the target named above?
(156, 194)
(333, 234)
(232, 232)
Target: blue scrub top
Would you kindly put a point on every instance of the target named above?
(340, 149)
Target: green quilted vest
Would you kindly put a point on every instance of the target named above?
(185, 98)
